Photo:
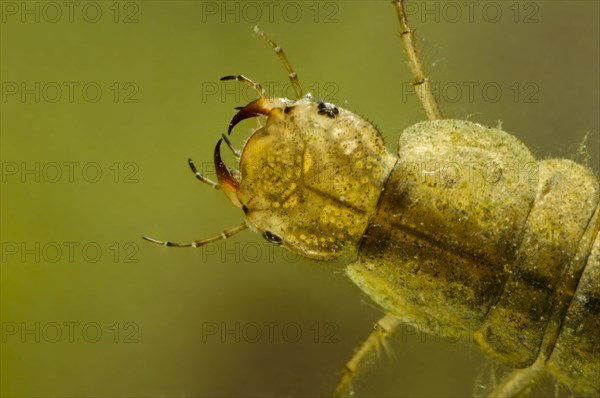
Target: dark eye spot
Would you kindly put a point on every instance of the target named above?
(274, 239)
(325, 108)
(288, 109)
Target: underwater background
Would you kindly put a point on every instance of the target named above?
(102, 104)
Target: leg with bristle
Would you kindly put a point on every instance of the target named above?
(519, 381)
(382, 329)
(421, 82)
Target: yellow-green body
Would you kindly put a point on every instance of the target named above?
(463, 229)
(471, 233)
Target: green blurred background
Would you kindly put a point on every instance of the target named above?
(145, 96)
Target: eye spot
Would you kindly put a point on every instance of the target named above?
(325, 108)
(288, 109)
(274, 239)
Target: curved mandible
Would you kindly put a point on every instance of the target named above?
(229, 185)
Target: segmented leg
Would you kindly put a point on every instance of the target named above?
(421, 83)
(244, 80)
(382, 329)
(279, 51)
(519, 381)
(201, 242)
(199, 176)
(236, 152)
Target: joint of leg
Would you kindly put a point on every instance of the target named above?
(380, 329)
(349, 370)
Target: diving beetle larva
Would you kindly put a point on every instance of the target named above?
(501, 242)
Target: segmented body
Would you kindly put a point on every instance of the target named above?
(463, 228)
(510, 257)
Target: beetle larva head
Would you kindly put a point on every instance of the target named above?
(311, 177)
